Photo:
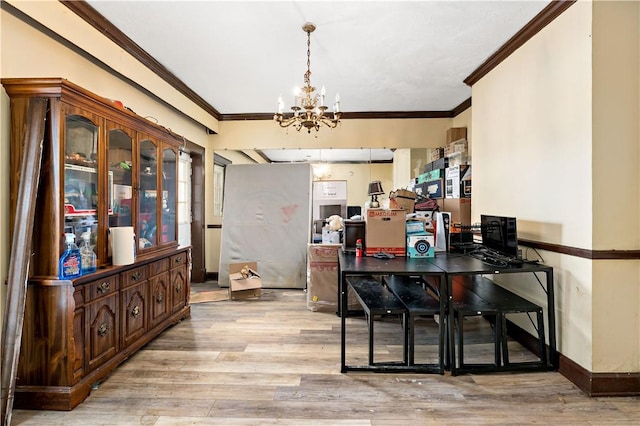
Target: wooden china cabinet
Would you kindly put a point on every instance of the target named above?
(103, 166)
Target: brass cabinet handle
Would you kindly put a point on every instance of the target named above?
(136, 276)
(179, 259)
(135, 312)
(178, 289)
(103, 329)
(160, 297)
(104, 287)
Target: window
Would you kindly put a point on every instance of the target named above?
(184, 199)
(219, 164)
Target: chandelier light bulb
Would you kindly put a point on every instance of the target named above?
(280, 104)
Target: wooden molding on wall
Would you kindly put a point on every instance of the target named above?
(600, 384)
(364, 115)
(579, 252)
(593, 384)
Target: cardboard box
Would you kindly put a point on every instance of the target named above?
(241, 286)
(437, 153)
(456, 133)
(402, 199)
(460, 209)
(385, 231)
(322, 279)
(456, 148)
(459, 159)
(441, 163)
(434, 188)
(420, 245)
(330, 237)
(434, 174)
(455, 176)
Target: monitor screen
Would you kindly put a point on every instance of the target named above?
(499, 233)
(353, 211)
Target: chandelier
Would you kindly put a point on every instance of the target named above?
(309, 108)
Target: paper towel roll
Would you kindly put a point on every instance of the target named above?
(123, 243)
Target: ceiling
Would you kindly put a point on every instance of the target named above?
(362, 155)
(380, 56)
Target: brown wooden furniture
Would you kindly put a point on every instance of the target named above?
(103, 166)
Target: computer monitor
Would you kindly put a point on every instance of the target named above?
(499, 233)
(353, 211)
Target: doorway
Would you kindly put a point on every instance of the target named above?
(191, 207)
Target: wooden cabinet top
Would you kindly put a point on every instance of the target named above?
(60, 88)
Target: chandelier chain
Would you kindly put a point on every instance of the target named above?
(307, 75)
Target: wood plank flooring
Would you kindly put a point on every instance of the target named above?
(273, 362)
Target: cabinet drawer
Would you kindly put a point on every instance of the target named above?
(178, 259)
(102, 287)
(134, 276)
(159, 267)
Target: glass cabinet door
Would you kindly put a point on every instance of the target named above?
(169, 174)
(148, 196)
(81, 178)
(119, 159)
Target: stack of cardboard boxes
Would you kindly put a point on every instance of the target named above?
(447, 178)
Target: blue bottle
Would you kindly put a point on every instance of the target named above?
(70, 264)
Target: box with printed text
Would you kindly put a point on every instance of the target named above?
(385, 231)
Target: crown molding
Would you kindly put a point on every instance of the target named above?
(363, 115)
(100, 23)
(533, 27)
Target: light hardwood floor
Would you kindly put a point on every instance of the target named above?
(272, 361)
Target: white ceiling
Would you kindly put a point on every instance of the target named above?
(363, 155)
(239, 56)
(380, 56)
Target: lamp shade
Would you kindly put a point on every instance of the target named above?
(375, 188)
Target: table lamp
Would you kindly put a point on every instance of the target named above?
(375, 189)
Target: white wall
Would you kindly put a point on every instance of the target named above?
(540, 153)
(616, 152)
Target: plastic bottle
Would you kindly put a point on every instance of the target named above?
(87, 253)
(358, 247)
(70, 264)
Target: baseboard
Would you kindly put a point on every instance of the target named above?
(593, 384)
(600, 384)
(212, 276)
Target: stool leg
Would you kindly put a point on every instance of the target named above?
(460, 342)
(443, 342)
(370, 322)
(501, 339)
(410, 339)
(541, 338)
